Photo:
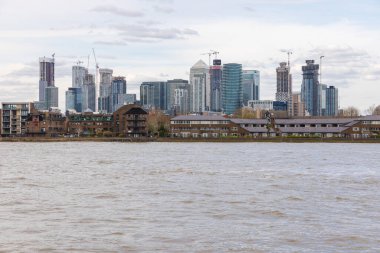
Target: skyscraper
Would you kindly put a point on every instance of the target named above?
(88, 93)
(200, 87)
(298, 106)
(232, 92)
(332, 101)
(104, 90)
(153, 95)
(48, 93)
(251, 86)
(178, 96)
(74, 99)
(78, 75)
(118, 89)
(216, 85)
(284, 86)
(310, 94)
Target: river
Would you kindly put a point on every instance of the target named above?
(189, 197)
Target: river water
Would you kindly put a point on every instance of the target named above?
(189, 197)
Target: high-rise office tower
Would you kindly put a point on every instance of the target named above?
(216, 86)
(251, 86)
(332, 101)
(74, 99)
(48, 93)
(284, 86)
(232, 92)
(118, 89)
(153, 95)
(310, 89)
(178, 96)
(104, 90)
(200, 87)
(88, 93)
(78, 76)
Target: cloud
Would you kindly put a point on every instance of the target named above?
(117, 11)
(163, 9)
(110, 43)
(142, 33)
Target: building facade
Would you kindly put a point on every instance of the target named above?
(14, 116)
(284, 86)
(178, 94)
(130, 121)
(251, 85)
(48, 93)
(232, 92)
(332, 101)
(310, 89)
(298, 106)
(104, 90)
(49, 123)
(118, 90)
(153, 95)
(216, 86)
(74, 99)
(199, 87)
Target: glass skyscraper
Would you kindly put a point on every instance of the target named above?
(216, 86)
(232, 92)
(251, 85)
(153, 95)
(310, 94)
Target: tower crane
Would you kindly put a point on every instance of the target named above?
(209, 56)
(215, 53)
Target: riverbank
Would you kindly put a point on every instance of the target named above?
(214, 140)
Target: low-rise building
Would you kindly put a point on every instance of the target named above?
(14, 115)
(130, 121)
(198, 126)
(50, 123)
(88, 124)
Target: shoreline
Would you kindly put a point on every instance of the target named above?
(190, 140)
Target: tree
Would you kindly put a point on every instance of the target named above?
(158, 123)
(247, 113)
(376, 111)
(349, 111)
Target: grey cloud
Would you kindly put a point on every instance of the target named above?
(163, 9)
(141, 33)
(110, 43)
(117, 11)
(16, 91)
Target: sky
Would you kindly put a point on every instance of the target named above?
(154, 40)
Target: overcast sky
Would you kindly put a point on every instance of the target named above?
(148, 40)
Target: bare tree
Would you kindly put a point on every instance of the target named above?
(349, 111)
(376, 111)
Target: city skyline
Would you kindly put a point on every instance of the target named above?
(128, 39)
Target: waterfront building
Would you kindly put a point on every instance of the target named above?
(178, 96)
(49, 123)
(74, 99)
(130, 121)
(298, 106)
(251, 85)
(216, 86)
(190, 126)
(13, 118)
(118, 90)
(284, 86)
(200, 87)
(89, 124)
(105, 90)
(153, 95)
(310, 89)
(232, 93)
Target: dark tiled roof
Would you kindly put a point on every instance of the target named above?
(199, 118)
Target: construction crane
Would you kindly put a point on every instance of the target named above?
(215, 53)
(209, 56)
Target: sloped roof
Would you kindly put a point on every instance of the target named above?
(200, 65)
(200, 118)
